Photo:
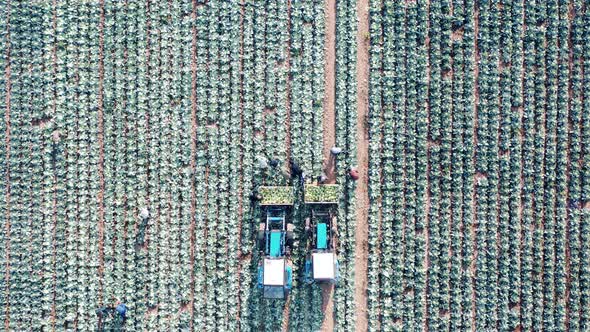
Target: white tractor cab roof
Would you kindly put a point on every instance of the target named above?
(324, 265)
(274, 271)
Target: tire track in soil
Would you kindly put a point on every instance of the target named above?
(362, 198)
(7, 74)
(329, 135)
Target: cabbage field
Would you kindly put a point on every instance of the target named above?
(134, 133)
(113, 107)
(480, 168)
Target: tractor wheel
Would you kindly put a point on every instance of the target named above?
(260, 239)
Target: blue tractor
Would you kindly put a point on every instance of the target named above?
(275, 240)
(321, 264)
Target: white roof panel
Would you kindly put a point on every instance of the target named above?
(324, 266)
(274, 272)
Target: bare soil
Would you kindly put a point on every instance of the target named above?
(362, 197)
(329, 116)
(329, 135)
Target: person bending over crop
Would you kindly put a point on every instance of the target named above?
(296, 170)
(322, 178)
(274, 162)
(121, 310)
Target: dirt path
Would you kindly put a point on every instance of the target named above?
(329, 116)
(362, 197)
(7, 183)
(329, 134)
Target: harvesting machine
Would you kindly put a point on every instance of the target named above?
(321, 264)
(275, 240)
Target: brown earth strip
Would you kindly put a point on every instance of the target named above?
(329, 134)
(7, 142)
(329, 114)
(362, 198)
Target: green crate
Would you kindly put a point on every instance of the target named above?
(277, 195)
(327, 193)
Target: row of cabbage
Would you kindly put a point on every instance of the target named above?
(495, 149)
(282, 94)
(147, 158)
(49, 237)
(346, 136)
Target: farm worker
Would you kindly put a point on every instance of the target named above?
(121, 310)
(323, 177)
(102, 312)
(255, 196)
(144, 214)
(296, 170)
(274, 162)
(336, 151)
(262, 163)
(354, 173)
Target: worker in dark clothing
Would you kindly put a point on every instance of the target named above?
(105, 315)
(274, 162)
(255, 195)
(102, 312)
(296, 170)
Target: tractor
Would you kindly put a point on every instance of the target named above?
(275, 240)
(321, 264)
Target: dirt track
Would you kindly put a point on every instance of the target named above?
(362, 198)
(329, 133)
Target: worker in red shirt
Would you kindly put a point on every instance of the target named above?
(354, 173)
